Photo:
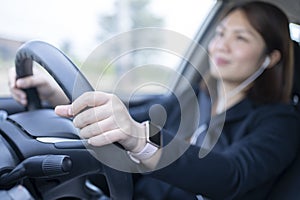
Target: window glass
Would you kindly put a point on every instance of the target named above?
(80, 27)
(295, 32)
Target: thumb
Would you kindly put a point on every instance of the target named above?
(64, 110)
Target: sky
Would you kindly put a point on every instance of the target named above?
(55, 21)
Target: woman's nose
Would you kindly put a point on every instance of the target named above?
(223, 44)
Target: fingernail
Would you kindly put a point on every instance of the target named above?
(70, 111)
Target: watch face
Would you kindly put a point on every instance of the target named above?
(154, 134)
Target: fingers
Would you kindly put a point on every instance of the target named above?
(97, 123)
(89, 99)
(87, 109)
(102, 132)
(17, 94)
(106, 138)
(92, 115)
(16, 86)
(29, 82)
(103, 119)
(80, 105)
(64, 110)
(26, 82)
(98, 128)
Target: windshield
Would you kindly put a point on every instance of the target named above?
(78, 27)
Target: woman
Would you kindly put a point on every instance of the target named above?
(251, 64)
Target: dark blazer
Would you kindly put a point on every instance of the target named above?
(256, 144)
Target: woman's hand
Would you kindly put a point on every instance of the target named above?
(47, 88)
(103, 119)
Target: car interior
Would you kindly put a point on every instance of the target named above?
(286, 187)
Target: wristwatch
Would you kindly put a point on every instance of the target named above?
(153, 143)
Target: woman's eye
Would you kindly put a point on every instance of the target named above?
(219, 33)
(242, 38)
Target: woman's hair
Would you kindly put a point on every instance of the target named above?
(275, 84)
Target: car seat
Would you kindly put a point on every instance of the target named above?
(287, 186)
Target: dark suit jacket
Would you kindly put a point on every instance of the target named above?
(256, 144)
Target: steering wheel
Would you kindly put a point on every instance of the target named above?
(57, 65)
(73, 83)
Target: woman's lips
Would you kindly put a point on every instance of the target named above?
(221, 62)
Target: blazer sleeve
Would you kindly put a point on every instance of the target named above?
(268, 148)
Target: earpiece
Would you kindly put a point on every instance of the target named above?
(266, 62)
(251, 78)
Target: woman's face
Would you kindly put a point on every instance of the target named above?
(237, 49)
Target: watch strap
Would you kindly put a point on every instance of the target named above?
(147, 152)
(149, 149)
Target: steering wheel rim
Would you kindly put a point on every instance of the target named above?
(52, 60)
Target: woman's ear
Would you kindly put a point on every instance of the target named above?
(275, 57)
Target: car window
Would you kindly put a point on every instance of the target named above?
(80, 27)
(295, 32)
